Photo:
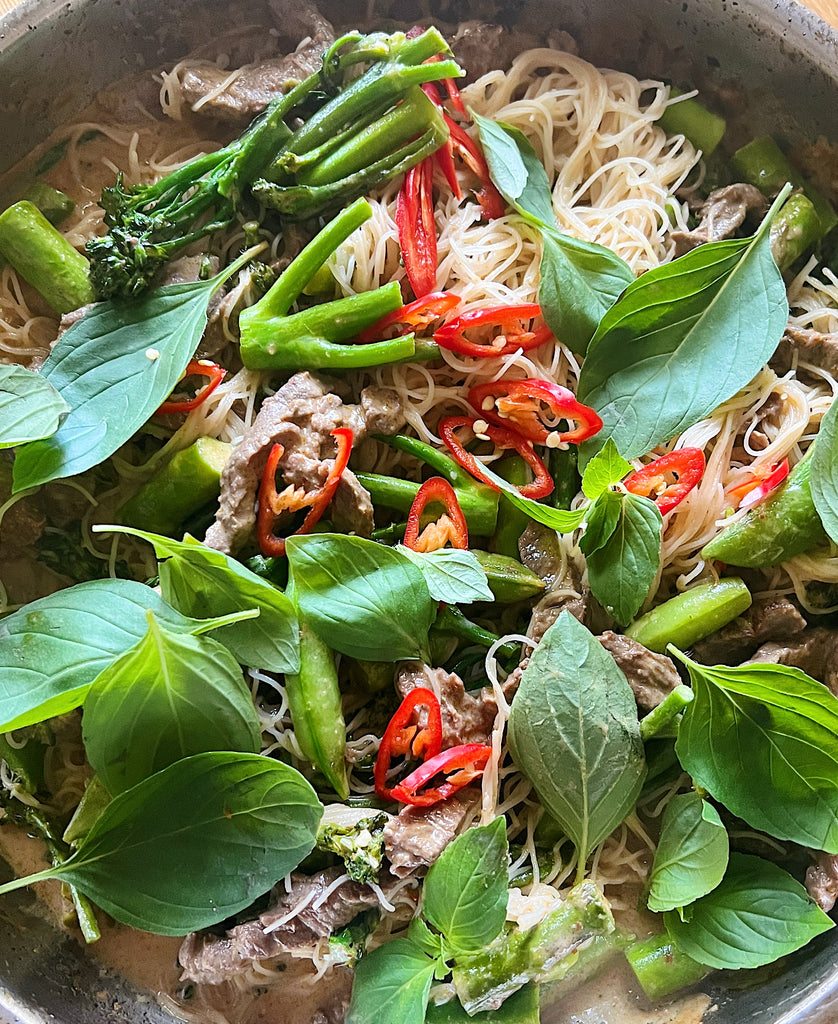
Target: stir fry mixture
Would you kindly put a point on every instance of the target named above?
(419, 530)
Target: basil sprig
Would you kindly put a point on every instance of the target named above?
(30, 407)
(453, 575)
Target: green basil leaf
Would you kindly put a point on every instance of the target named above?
(756, 915)
(53, 649)
(114, 368)
(515, 169)
(392, 983)
(466, 890)
(361, 598)
(692, 853)
(195, 843)
(573, 731)
(560, 519)
(452, 575)
(763, 741)
(824, 472)
(621, 572)
(682, 339)
(602, 518)
(607, 467)
(200, 581)
(30, 407)
(170, 696)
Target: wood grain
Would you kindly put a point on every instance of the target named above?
(827, 9)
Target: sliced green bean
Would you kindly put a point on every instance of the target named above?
(662, 721)
(691, 118)
(795, 230)
(511, 520)
(661, 968)
(689, 617)
(508, 580)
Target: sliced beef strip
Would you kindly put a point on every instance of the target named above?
(769, 618)
(722, 213)
(416, 837)
(465, 718)
(814, 651)
(540, 552)
(811, 347)
(482, 46)
(259, 82)
(301, 417)
(651, 676)
(822, 881)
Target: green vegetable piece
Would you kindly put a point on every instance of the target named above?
(691, 856)
(708, 320)
(240, 821)
(94, 800)
(691, 118)
(479, 505)
(44, 257)
(25, 760)
(663, 721)
(520, 1008)
(662, 968)
(573, 731)
(314, 702)
(53, 204)
(187, 482)
(450, 621)
(509, 581)
(579, 930)
(762, 163)
(170, 696)
(363, 599)
(392, 983)
(453, 575)
(758, 914)
(763, 741)
(784, 525)
(689, 617)
(360, 846)
(824, 472)
(511, 521)
(559, 519)
(30, 407)
(795, 230)
(563, 464)
(466, 891)
(114, 368)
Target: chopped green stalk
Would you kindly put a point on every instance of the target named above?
(188, 482)
(785, 525)
(511, 520)
(564, 945)
(479, 508)
(450, 621)
(520, 1008)
(391, 534)
(94, 800)
(44, 258)
(315, 706)
(53, 204)
(662, 720)
(692, 119)
(795, 230)
(26, 762)
(508, 580)
(689, 617)
(563, 464)
(661, 968)
(85, 915)
(763, 164)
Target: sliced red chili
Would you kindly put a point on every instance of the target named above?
(272, 504)
(519, 403)
(459, 766)
(760, 485)
(503, 326)
(461, 143)
(451, 526)
(412, 318)
(196, 368)
(656, 481)
(409, 735)
(501, 437)
(417, 228)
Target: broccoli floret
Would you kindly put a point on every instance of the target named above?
(360, 846)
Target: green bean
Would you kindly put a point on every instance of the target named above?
(692, 119)
(479, 503)
(53, 204)
(450, 621)
(691, 616)
(508, 580)
(511, 520)
(795, 230)
(563, 464)
(662, 721)
(662, 968)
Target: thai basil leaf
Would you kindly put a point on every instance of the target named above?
(682, 339)
(53, 649)
(579, 281)
(195, 843)
(573, 731)
(607, 467)
(692, 853)
(559, 519)
(200, 581)
(170, 696)
(452, 575)
(114, 368)
(392, 983)
(763, 741)
(30, 407)
(621, 572)
(757, 914)
(602, 518)
(466, 891)
(824, 478)
(361, 598)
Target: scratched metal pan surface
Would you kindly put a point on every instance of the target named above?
(776, 58)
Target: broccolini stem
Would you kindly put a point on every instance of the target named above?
(662, 968)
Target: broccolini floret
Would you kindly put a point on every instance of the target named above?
(360, 846)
